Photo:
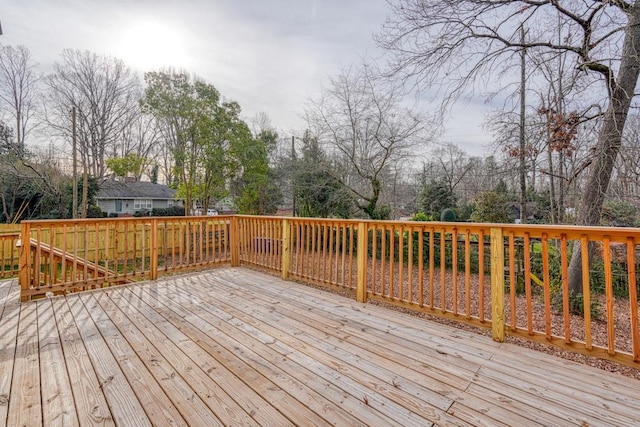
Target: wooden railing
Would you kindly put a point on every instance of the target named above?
(512, 279)
(9, 254)
(67, 256)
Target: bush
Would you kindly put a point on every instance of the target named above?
(142, 212)
(171, 211)
(421, 216)
(576, 305)
(619, 281)
(94, 212)
(113, 215)
(448, 215)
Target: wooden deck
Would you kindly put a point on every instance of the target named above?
(237, 347)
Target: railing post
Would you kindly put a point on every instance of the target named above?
(286, 248)
(234, 241)
(497, 285)
(154, 249)
(361, 278)
(23, 264)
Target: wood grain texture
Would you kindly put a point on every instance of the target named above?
(90, 402)
(238, 347)
(58, 408)
(24, 399)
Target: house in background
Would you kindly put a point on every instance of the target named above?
(128, 197)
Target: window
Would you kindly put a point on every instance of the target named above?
(142, 204)
(170, 203)
(118, 205)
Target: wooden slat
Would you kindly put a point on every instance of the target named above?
(586, 291)
(410, 285)
(279, 371)
(432, 256)
(157, 406)
(89, 399)
(421, 267)
(312, 360)
(608, 286)
(24, 399)
(209, 379)
(443, 269)
(633, 298)
(512, 280)
(189, 323)
(401, 263)
(481, 276)
(123, 402)
(547, 286)
(280, 354)
(565, 288)
(527, 282)
(454, 269)
(170, 368)
(467, 274)
(9, 327)
(57, 397)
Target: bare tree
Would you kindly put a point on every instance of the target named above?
(626, 186)
(361, 119)
(435, 40)
(142, 137)
(105, 94)
(454, 164)
(18, 88)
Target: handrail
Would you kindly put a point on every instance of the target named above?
(9, 254)
(72, 255)
(512, 279)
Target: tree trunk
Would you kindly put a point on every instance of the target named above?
(370, 208)
(609, 141)
(552, 186)
(561, 186)
(523, 148)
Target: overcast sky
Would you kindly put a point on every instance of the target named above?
(270, 56)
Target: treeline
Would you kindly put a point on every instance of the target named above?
(362, 154)
(176, 129)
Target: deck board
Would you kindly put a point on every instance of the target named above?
(24, 398)
(8, 334)
(378, 374)
(57, 398)
(90, 403)
(237, 347)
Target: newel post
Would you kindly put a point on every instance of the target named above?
(234, 241)
(23, 264)
(286, 248)
(154, 249)
(361, 278)
(497, 285)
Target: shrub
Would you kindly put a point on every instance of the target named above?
(448, 215)
(171, 211)
(94, 212)
(619, 279)
(421, 216)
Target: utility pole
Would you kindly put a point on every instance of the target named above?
(85, 185)
(294, 168)
(523, 164)
(74, 214)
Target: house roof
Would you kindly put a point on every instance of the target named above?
(134, 190)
